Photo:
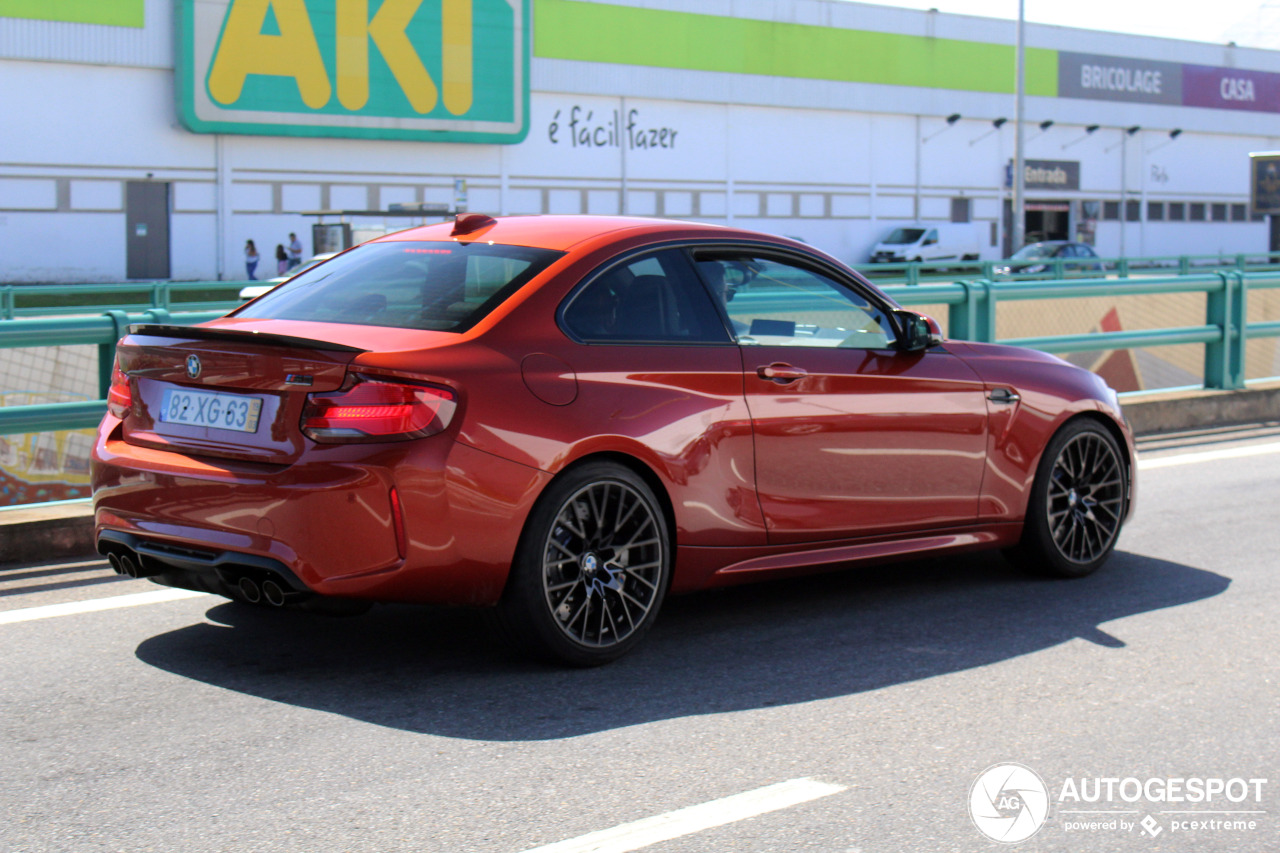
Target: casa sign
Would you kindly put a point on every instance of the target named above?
(431, 70)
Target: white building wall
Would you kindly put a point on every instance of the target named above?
(836, 164)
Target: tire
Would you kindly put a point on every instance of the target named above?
(591, 570)
(1077, 503)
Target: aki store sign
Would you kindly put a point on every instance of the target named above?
(431, 70)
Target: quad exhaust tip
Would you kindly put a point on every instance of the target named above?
(128, 566)
(250, 590)
(272, 592)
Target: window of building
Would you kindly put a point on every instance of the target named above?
(1132, 211)
(1239, 213)
(960, 209)
(1111, 210)
(1197, 211)
(1177, 211)
(1219, 212)
(1155, 211)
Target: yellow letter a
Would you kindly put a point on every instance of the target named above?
(244, 50)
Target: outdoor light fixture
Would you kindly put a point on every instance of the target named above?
(1088, 131)
(1046, 124)
(996, 124)
(1173, 134)
(1132, 130)
(951, 120)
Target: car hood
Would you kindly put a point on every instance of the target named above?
(1005, 354)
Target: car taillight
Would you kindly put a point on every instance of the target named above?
(376, 410)
(120, 397)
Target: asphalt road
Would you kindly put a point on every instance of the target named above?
(199, 725)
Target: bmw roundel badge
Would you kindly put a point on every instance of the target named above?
(193, 366)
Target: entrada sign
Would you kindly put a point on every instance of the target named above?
(436, 70)
(1046, 174)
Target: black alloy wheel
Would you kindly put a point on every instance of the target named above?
(592, 569)
(1077, 504)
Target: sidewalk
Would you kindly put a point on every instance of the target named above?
(46, 532)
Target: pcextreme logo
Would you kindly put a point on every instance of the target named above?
(436, 70)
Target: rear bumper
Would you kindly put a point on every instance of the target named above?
(223, 573)
(324, 524)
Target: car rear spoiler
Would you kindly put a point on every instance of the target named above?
(261, 338)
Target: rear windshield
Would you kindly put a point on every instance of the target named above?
(443, 287)
(905, 235)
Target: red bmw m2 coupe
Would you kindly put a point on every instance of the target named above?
(566, 418)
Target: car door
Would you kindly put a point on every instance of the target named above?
(853, 437)
(656, 369)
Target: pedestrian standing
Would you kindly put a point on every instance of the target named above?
(282, 259)
(250, 259)
(295, 250)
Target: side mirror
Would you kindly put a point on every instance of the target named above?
(917, 332)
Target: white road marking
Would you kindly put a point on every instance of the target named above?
(94, 605)
(1208, 456)
(664, 827)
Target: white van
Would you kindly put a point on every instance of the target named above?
(926, 242)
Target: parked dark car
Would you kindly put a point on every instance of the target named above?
(1036, 258)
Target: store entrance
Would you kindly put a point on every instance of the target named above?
(1042, 220)
(1048, 220)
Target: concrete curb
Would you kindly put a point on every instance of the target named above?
(42, 533)
(65, 531)
(1178, 411)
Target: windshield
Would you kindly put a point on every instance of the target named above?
(1034, 251)
(905, 235)
(446, 287)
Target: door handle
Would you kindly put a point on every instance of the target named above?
(781, 373)
(1003, 395)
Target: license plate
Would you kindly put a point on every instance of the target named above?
(211, 409)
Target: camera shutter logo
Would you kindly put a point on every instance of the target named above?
(1008, 803)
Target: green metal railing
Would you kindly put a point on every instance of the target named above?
(971, 307)
(971, 315)
(1063, 268)
(42, 300)
(104, 330)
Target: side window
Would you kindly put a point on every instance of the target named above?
(653, 298)
(778, 303)
(931, 239)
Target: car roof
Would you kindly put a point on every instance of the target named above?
(563, 232)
